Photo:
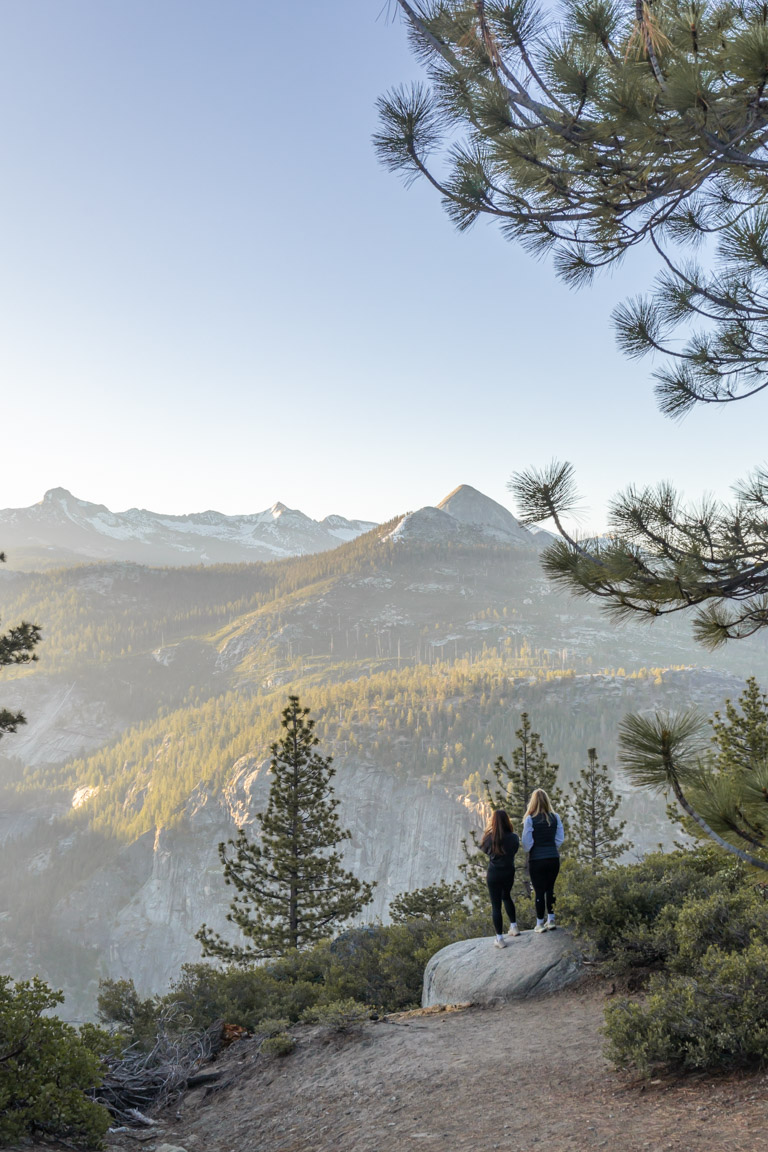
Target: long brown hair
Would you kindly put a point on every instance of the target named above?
(499, 825)
(539, 805)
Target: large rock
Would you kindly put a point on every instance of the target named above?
(476, 972)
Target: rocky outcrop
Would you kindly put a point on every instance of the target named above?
(476, 972)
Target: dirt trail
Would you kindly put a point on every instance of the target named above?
(521, 1075)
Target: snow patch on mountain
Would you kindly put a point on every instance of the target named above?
(63, 524)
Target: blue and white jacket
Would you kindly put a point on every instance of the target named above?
(542, 836)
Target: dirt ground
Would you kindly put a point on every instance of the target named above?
(523, 1075)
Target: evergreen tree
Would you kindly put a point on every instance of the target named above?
(596, 838)
(16, 647)
(723, 797)
(291, 888)
(531, 768)
(589, 135)
(741, 738)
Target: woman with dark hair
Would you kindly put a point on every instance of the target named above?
(542, 836)
(500, 844)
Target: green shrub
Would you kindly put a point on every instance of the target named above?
(270, 1028)
(727, 920)
(338, 1015)
(629, 913)
(282, 1044)
(704, 928)
(435, 902)
(715, 1019)
(376, 966)
(47, 1069)
(384, 966)
(120, 1006)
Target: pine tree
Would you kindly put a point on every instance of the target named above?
(741, 738)
(531, 768)
(590, 135)
(595, 838)
(291, 888)
(513, 787)
(16, 647)
(723, 797)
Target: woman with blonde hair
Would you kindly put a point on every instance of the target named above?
(500, 843)
(542, 836)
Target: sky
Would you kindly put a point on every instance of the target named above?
(213, 296)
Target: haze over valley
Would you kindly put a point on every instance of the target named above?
(416, 643)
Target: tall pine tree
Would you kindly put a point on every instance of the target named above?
(531, 768)
(291, 888)
(511, 790)
(596, 839)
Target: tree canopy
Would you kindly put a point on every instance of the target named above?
(587, 134)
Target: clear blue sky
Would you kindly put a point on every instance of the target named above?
(211, 295)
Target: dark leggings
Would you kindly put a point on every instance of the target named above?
(543, 876)
(500, 883)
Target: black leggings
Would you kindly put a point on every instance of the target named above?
(543, 876)
(500, 881)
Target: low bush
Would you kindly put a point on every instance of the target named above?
(281, 1044)
(380, 967)
(48, 1069)
(338, 1015)
(716, 1018)
(436, 902)
(629, 913)
(698, 931)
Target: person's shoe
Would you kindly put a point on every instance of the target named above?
(540, 928)
(551, 926)
(514, 930)
(498, 943)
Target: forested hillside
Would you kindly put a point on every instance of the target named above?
(158, 694)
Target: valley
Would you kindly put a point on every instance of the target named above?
(158, 691)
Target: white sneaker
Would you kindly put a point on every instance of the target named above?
(540, 928)
(498, 943)
(551, 926)
(514, 930)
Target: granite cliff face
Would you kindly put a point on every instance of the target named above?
(137, 916)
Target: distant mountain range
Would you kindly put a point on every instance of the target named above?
(63, 529)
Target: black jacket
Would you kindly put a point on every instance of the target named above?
(511, 843)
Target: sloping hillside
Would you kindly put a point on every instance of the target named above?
(525, 1075)
(158, 694)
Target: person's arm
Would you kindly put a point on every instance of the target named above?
(559, 832)
(515, 844)
(528, 833)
